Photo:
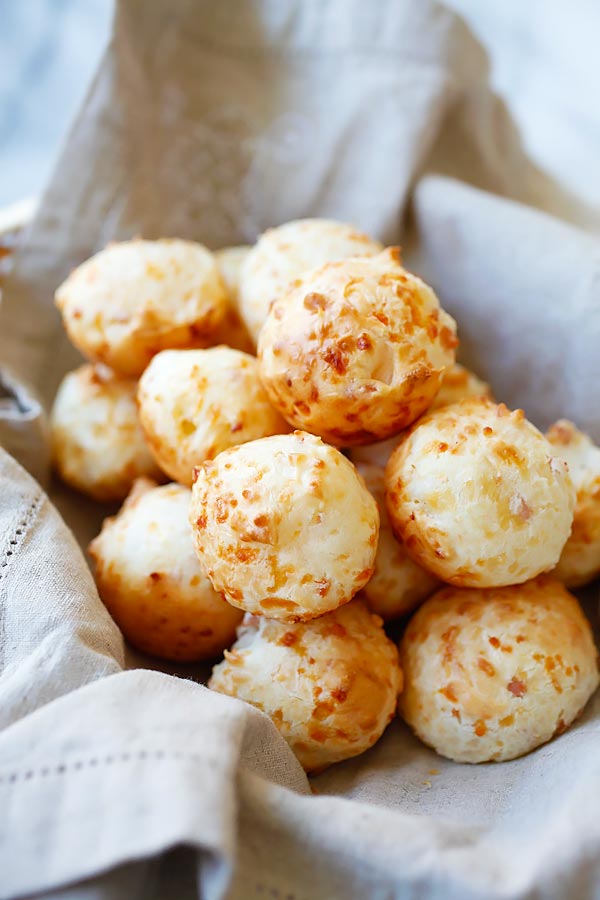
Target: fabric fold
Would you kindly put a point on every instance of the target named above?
(211, 122)
(507, 271)
(173, 749)
(55, 633)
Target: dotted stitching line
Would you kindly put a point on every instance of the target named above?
(110, 759)
(19, 532)
(9, 552)
(94, 761)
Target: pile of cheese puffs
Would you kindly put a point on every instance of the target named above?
(302, 461)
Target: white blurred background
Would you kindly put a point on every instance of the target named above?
(543, 56)
(49, 50)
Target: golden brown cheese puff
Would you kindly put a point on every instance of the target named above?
(356, 350)
(152, 583)
(398, 585)
(492, 674)
(478, 497)
(97, 441)
(330, 686)
(138, 297)
(282, 254)
(196, 403)
(232, 330)
(284, 526)
(580, 559)
(458, 383)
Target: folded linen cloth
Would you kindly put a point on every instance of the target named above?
(212, 121)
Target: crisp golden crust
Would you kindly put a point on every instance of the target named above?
(478, 497)
(356, 350)
(284, 526)
(232, 330)
(282, 254)
(196, 403)
(492, 674)
(580, 559)
(151, 582)
(133, 299)
(98, 444)
(329, 686)
(458, 383)
(398, 585)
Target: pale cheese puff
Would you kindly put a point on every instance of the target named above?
(478, 496)
(284, 526)
(283, 253)
(230, 261)
(330, 686)
(98, 445)
(232, 330)
(457, 384)
(398, 585)
(152, 583)
(138, 297)
(492, 674)
(196, 403)
(580, 559)
(356, 350)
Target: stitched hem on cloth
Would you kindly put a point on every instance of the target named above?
(16, 537)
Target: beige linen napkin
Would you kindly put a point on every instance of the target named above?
(212, 121)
